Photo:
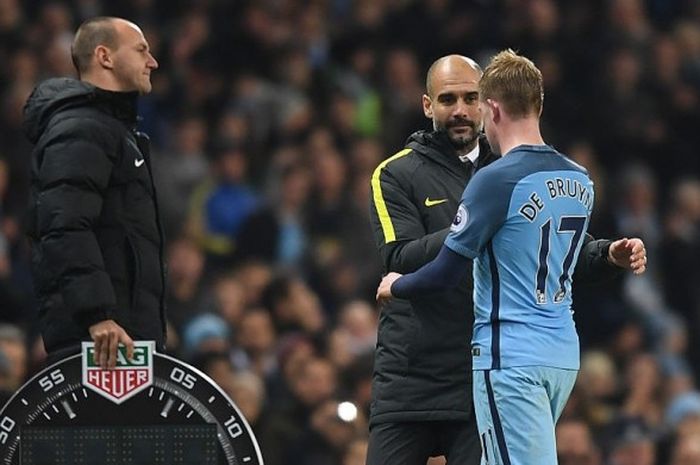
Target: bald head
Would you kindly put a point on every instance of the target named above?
(101, 30)
(452, 100)
(113, 54)
(451, 67)
(93, 32)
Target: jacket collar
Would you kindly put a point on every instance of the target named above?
(58, 94)
(121, 105)
(436, 146)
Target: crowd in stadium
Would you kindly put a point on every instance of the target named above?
(267, 119)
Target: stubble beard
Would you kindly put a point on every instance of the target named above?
(462, 143)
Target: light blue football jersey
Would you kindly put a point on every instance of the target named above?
(523, 220)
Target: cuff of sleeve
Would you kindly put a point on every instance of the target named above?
(605, 254)
(90, 317)
(397, 289)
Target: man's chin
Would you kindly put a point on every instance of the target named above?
(462, 141)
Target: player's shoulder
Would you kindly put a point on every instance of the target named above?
(498, 169)
(571, 164)
(557, 159)
(528, 159)
(494, 182)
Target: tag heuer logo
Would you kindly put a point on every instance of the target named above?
(127, 379)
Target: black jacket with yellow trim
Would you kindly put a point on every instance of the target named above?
(422, 365)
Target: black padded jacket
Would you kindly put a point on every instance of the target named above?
(97, 242)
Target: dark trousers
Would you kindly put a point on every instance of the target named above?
(412, 443)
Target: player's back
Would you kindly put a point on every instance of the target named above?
(523, 277)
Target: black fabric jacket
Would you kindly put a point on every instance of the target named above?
(422, 365)
(97, 243)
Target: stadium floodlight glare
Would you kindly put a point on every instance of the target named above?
(347, 411)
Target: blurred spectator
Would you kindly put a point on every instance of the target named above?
(575, 444)
(274, 112)
(7, 387)
(276, 233)
(216, 364)
(630, 442)
(181, 168)
(254, 276)
(679, 248)
(596, 390)
(643, 397)
(686, 450)
(672, 346)
(332, 426)
(185, 287)
(294, 351)
(358, 320)
(255, 340)
(683, 414)
(356, 381)
(629, 22)
(14, 350)
(248, 392)
(294, 306)
(314, 384)
(227, 299)
(688, 37)
(328, 202)
(403, 88)
(221, 205)
(205, 333)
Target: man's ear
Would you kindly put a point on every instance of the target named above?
(495, 110)
(427, 107)
(104, 57)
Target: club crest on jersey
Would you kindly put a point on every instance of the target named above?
(127, 379)
(460, 221)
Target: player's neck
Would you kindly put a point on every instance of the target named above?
(521, 132)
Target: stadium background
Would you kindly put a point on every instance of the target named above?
(267, 119)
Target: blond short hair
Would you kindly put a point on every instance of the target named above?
(515, 82)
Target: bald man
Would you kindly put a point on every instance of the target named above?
(94, 229)
(422, 383)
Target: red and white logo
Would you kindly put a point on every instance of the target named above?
(127, 379)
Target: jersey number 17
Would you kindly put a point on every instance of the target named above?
(567, 225)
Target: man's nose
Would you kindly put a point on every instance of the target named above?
(152, 63)
(462, 109)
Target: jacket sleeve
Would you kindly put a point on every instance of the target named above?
(593, 266)
(403, 242)
(74, 171)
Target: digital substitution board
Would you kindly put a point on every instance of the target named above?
(153, 409)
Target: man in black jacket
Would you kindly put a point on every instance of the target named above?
(97, 243)
(421, 390)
